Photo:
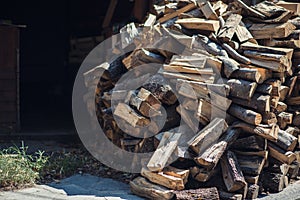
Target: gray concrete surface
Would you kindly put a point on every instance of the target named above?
(77, 187)
(87, 187)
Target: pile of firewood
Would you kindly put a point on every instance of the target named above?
(229, 97)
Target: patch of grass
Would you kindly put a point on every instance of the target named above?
(18, 169)
(63, 164)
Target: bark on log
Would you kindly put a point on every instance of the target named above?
(232, 174)
(201, 193)
(244, 114)
(144, 188)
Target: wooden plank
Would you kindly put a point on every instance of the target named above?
(199, 24)
(164, 150)
(176, 13)
(140, 186)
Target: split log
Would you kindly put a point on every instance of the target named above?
(265, 31)
(275, 59)
(190, 104)
(140, 57)
(269, 118)
(251, 165)
(232, 174)
(235, 55)
(126, 113)
(296, 119)
(227, 31)
(286, 141)
(200, 24)
(279, 154)
(244, 114)
(251, 143)
(253, 191)
(150, 21)
(273, 182)
(206, 78)
(229, 65)
(249, 74)
(243, 34)
(206, 111)
(293, 170)
(211, 156)
(284, 118)
(249, 10)
(259, 102)
(170, 177)
(264, 89)
(293, 131)
(269, 132)
(188, 118)
(295, 7)
(207, 9)
(230, 196)
(177, 12)
(241, 89)
(252, 179)
(205, 88)
(281, 107)
(159, 87)
(201, 174)
(208, 135)
(143, 107)
(201, 193)
(144, 188)
(190, 70)
(164, 150)
(148, 97)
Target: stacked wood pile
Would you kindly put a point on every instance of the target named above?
(231, 97)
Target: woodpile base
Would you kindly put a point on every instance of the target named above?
(229, 98)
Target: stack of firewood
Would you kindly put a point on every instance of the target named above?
(224, 77)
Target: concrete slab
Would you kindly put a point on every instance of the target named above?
(88, 187)
(77, 187)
